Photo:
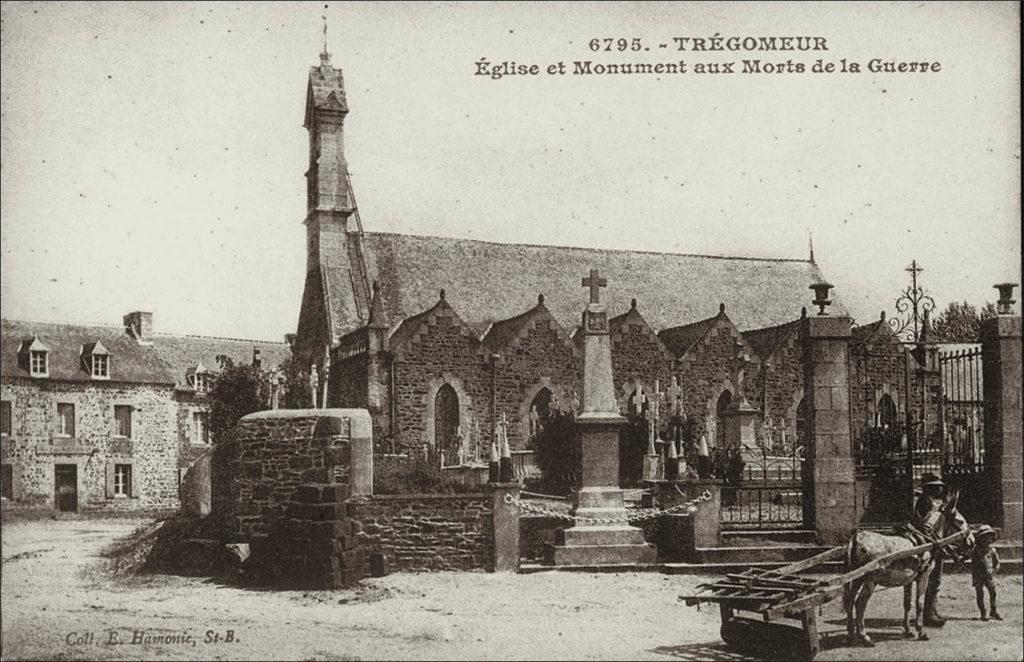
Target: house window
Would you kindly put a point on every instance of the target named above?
(65, 419)
(122, 480)
(5, 417)
(38, 363)
(201, 382)
(123, 420)
(200, 427)
(100, 365)
(7, 481)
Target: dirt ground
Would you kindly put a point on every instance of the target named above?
(59, 601)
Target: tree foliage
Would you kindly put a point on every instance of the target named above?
(237, 390)
(961, 322)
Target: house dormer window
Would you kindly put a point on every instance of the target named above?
(96, 360)
(38, 358)
(100, 366)
(39, 365)
(199, 378)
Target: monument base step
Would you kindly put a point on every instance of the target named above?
(562, 555)
(599, 535)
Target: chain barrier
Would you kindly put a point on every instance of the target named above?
(636, 516)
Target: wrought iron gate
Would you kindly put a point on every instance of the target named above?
(963, 430)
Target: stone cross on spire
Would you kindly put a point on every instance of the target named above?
(594, 282)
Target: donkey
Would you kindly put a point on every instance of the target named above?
(909, 572)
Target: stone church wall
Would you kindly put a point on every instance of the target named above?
(541, 358)
(443, 353)
(705, 370)
(638, 356)
(781, 383)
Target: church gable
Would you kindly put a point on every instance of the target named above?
(441, 379)
(638, 355)
(534, 362)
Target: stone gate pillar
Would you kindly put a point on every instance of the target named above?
(828, 469)
(1001, 375)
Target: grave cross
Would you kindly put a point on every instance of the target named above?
(594, 281)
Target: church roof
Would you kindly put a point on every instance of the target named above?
(765, 341)
(503, 331)
(488, 281)
(679, 339)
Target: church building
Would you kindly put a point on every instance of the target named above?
(443, 339)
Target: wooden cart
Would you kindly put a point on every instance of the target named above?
(786, 594)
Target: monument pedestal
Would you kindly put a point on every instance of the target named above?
(599, 543)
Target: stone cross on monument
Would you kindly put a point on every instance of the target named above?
(740, 417)
(598, 425)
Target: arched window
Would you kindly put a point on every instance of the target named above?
(886, 412)
(539, 412)
(721, 407)
(446, 423)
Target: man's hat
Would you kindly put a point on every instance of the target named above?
(931, 479)
(986, 530)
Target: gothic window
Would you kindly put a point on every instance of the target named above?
(721, 407)
(540, 411)
(446, 423)
(886, 412)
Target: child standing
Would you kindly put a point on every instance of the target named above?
(984, 566)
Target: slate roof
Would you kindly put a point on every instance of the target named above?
(129, 361)
(680, 339)
(183, 353)
(765, 341)
(166, 361)
(488, 281)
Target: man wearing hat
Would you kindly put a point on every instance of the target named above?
(932, 492)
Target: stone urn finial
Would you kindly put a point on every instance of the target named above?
(821, 299)
(1006, 300)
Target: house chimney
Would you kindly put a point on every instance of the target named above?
(139, 325)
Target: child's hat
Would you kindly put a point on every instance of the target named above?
(985, 531)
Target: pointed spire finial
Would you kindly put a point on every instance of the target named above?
(810, 245)
(325, 57)
(721, 309)
(442, 294)
(632, 304)
(540, 299)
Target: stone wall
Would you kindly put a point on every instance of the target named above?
(427, 531)
(34, 447)
(540, 357)
(445, 352)
(706, 370)
(270, 455)
(781, 381)
(638, 356)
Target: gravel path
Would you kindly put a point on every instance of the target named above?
(59, 602)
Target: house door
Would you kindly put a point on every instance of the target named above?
(66, 487)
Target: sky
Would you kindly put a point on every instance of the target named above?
(153, 154)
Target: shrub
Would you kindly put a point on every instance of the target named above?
(556, 450)
(416, 475)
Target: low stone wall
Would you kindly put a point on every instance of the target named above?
(427, 531)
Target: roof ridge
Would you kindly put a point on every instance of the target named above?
(600, 250)
(202, 337)
(96, 324)
(121, 327)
